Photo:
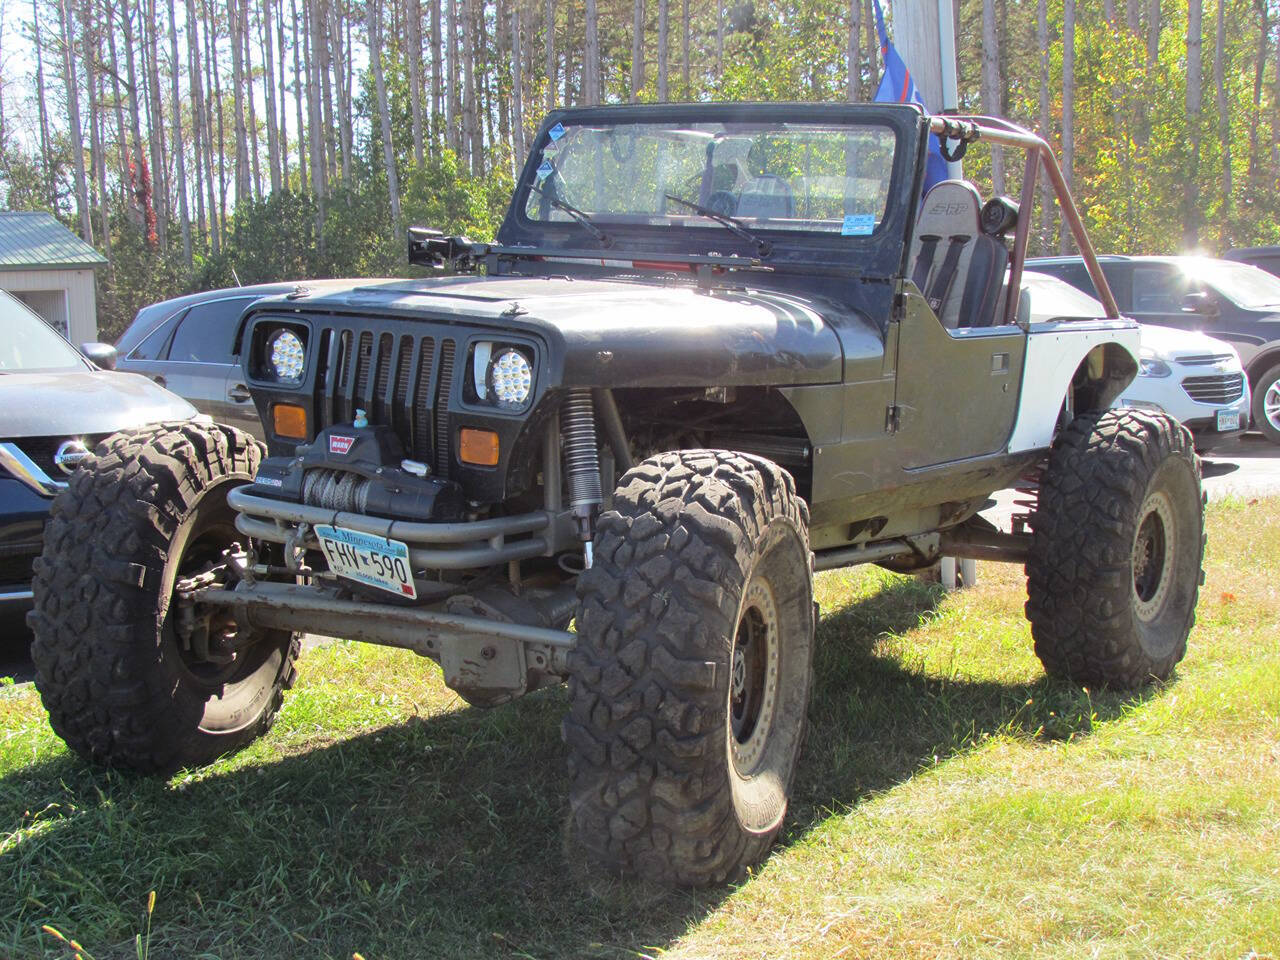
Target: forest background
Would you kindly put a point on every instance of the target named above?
(201, 143)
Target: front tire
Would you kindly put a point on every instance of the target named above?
(121, 689)
(1118, 539)
(689, 685)
(1266, 404)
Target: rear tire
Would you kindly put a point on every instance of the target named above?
(1266, 404)
(1114, 570)
(689, 685)
(120, 687)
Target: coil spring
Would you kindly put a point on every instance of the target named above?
(1028, 490)
(335, 490)
(581, 455)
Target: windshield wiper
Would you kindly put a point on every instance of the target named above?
(763, 247)
(578, 215)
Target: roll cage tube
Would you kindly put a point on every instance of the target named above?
(972, 129)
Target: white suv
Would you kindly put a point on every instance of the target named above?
(1191, 376)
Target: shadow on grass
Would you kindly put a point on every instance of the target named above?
(444, 836)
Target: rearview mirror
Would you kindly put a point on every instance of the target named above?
(100, 354)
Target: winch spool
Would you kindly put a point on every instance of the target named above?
(336, 490)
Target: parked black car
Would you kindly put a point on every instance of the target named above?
(54, 408)
(1228, 300)
(1266, 258)
(187, 345)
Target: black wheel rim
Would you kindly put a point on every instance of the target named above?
(1153, 551)
(753, 677)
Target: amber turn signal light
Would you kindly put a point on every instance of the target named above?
(478, 447)
(289, 420)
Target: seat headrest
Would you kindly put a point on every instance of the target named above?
(951, 207)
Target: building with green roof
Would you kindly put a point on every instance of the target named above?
(51, 270)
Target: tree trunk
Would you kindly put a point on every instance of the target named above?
(451, 55)
(549, 39)
(518, 148)
(591, 57)
(265, 23)
(684, 49)
(155, 124)
(568, 58)
(1195, 95)
(243, 186)
(853, 89)
(131, 209)
(1259, 68)
(720, 35)
(303, 134)
(991, 87)
(1068, 107)
(1132, 16)
(1224, 125)
(437, 90)
(217, 199)
(373, 12)
(282, 112)
(413, 20)
(1153, 31)
(637, 49)
(72, 82)
(663, 43)
(51, 196)
(184, 216)
(469, 117)
(97, 137)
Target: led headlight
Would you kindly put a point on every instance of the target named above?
(287, 355)
(512, 377)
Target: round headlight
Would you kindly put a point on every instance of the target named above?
(287, 355)
(512, 377)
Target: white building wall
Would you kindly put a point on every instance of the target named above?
(80, 298)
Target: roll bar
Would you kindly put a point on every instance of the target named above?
(972, 129)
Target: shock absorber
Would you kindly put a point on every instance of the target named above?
(582, 462)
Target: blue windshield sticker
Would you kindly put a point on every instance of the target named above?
(858, 225)
(544, 170)
(556, 132)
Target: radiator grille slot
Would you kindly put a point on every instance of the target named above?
(442, 409)
(1225, 388)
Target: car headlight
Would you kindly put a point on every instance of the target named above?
(1153, 367)
(287, 355)
(502, 374)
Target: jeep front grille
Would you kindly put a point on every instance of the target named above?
(1224, 388)
(399, 379)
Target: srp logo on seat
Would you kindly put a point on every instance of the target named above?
(339, 444)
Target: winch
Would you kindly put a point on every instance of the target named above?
(360, 469)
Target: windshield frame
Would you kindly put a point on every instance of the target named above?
(878, 254)
(76, 360)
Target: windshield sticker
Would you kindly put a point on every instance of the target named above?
(556, 132)
(544, 170)
(858, 225)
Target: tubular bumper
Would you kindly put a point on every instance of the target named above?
(434, 546)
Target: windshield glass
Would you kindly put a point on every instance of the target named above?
(28, 343)
(768, 175)
(1246, 286)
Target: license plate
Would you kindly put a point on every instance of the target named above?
(1228, 420)
(365, 558)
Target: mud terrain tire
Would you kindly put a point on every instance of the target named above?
(119, 688)
(690, 682)
(1118, 539)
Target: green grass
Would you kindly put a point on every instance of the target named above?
(951, 803)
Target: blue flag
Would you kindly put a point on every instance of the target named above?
(896, 86)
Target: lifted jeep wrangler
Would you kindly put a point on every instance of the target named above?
(715, 347)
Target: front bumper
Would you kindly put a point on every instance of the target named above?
(23, 514)
(1167, 394)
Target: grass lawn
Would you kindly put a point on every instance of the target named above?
(951, 803)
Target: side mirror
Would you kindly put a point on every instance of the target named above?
(100, 354)
(431, 248)
(1200, 302)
